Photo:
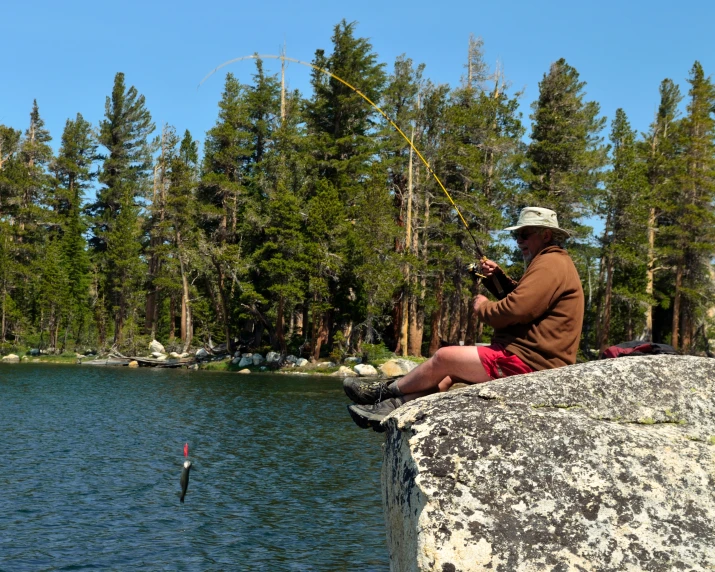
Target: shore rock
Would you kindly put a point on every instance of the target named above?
(155, 346)
(395, 367)
(606, 466)
(300, 362)
(245, 360)
(364, 369)
(273, 357)
(201, 353)
(11, 358)
(245, 371)
(133, 363)
(344, 372)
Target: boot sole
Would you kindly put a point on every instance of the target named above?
(365, 422)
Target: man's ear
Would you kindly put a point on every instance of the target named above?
(548, 235)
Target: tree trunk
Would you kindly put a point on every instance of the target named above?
(675, 337)
(436, 316)
(647, 334)
(470, 336)
(224, 306)
(605, 325)
(397, 319)
(3, 326)
(187, 323)
(172, 319)
(320, 332)
(280, 327)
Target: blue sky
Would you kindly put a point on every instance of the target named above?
(65, 54)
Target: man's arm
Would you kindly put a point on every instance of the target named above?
(531, 298)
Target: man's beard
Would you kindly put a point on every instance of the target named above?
(528, 257)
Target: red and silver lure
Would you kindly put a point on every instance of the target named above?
(185, 473)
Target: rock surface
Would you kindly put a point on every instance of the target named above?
(607, 465)
(11, 358)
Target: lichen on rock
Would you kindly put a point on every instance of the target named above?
(607, 465)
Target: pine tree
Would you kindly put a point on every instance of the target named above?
(182, 214)
(73, 175)
(401, 102)
(566, 154)
(660, 149)
(693, 233)
(484, 153)
(115, 214)
(340, 134)
(624, 240)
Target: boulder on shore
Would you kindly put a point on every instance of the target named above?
(607, 465)
(396, 367)
(156, 347)
(11, 358)
(344, 371)
(364, 369)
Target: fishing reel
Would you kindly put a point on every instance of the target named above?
(474, 269)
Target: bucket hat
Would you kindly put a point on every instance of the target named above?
(539, 217)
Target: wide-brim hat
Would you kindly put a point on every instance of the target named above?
(539, 217)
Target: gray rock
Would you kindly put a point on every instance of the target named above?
(398, 366)
(258, 359)
(300, 362)
(155, 346)
(34, 352)
(365, 369)
(353, 359)
(201, 353)
(245, 360)
(273, 357)
(291, 359)
(607, 465)
(344, 372)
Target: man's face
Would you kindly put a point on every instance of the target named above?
(531, 240)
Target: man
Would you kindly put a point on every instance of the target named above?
(537, 325)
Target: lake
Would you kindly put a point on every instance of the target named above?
(91, 458)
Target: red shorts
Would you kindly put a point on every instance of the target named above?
(498, 362)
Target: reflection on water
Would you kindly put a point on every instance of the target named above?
(91, 460)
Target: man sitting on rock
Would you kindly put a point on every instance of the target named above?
(537, 325)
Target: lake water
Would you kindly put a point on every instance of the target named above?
(91, 458)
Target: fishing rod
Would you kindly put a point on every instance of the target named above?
(480, 253)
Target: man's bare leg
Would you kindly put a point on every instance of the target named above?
(445, 367)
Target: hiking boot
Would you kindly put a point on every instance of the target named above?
(368, 393)
(372, 415)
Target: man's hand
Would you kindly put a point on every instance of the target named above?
(489, 267)
(479, 300)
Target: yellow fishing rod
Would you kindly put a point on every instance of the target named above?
(480, 253)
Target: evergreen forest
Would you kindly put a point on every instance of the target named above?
(309, 226)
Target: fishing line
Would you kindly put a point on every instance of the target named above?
(361, 94)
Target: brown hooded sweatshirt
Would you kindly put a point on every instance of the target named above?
(541, 316)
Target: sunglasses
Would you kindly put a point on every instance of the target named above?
(523, 234)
